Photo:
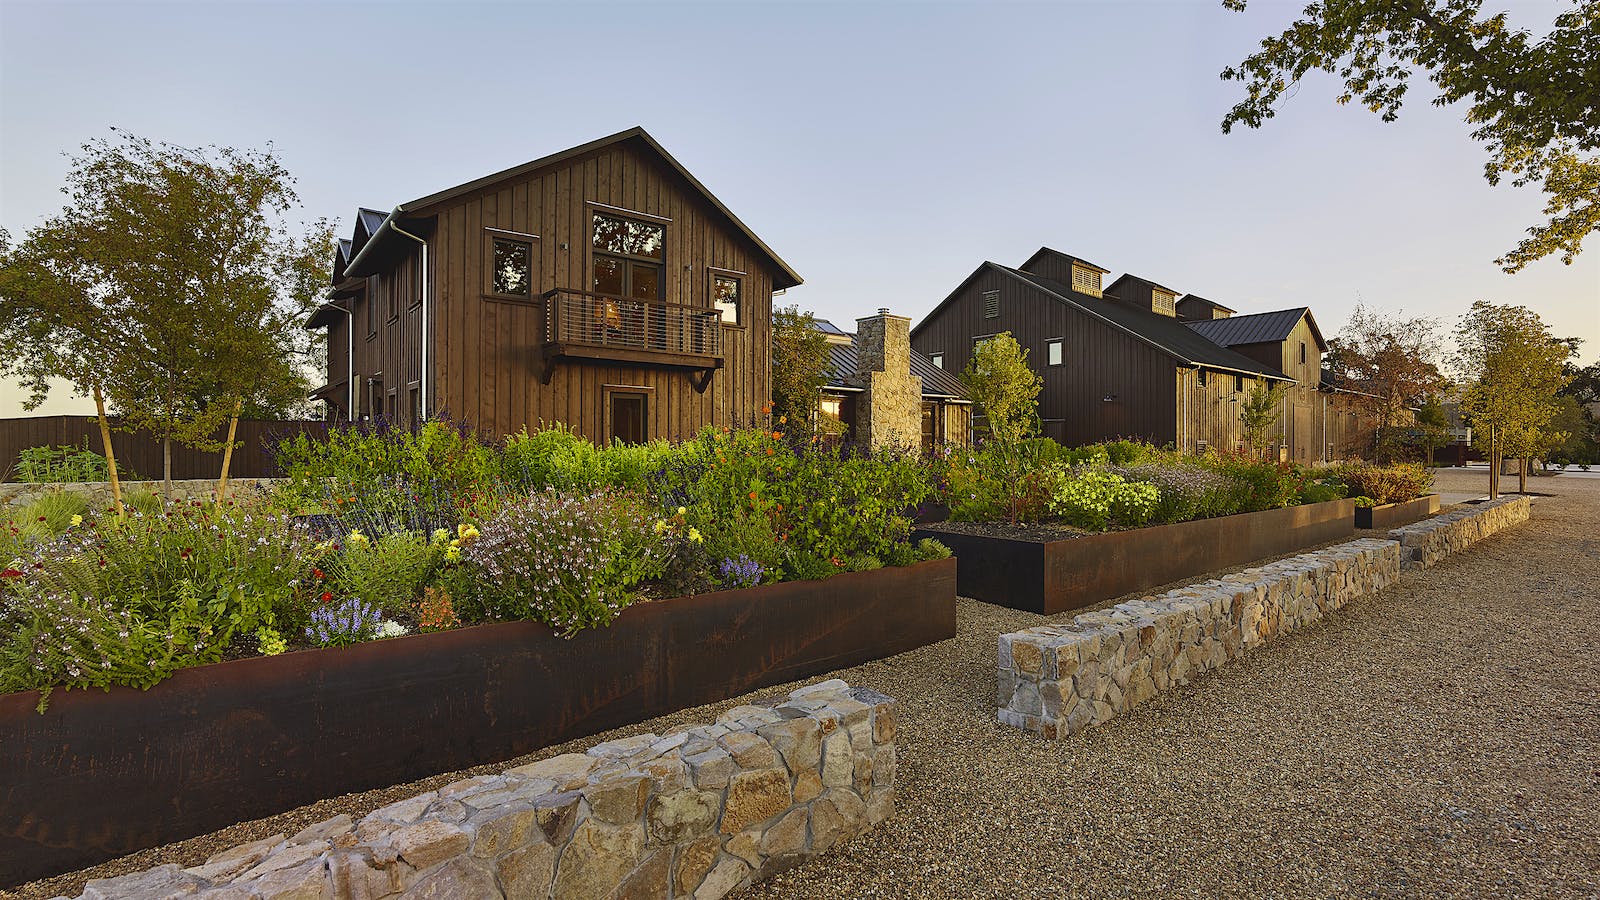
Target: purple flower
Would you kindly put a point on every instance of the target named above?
(741, 572)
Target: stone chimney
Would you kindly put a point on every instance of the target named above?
(889, 411)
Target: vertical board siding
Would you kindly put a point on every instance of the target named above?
(488, 352)
(1098, 361)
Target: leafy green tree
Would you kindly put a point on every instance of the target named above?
(800, 364)
(168, 286)
(1005, 387)
(1514, 369)
(1260, 411)
(1433, 427)
(1530, 100)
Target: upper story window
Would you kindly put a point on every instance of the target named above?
(1055, 351)
(1163, 302)
(1302, 353)
(991, 304)
(1238, 384)
(1086, 281)
(371, 300)
(513, 267)
(937, 359)
(629, 257)
(725, 297)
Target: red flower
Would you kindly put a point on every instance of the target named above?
(11, 573)
(327, 596)
(318, 574)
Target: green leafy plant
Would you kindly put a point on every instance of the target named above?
(1095, 500)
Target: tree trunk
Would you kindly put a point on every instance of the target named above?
(227, 451)
(111, 456)
(1522, 474)
(1494, 465)
(166, 465)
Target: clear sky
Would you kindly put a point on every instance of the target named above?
(883, 149)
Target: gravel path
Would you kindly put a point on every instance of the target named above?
(1439, 739)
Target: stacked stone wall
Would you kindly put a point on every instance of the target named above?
(1427, 542)
(1059, 679)
(98, 493)
(697, 812)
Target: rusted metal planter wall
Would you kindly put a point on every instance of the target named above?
(1063, 575)
(101, 774)
(1393, 515)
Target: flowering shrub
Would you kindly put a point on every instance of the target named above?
(343, 623)
(568, 560)
(1095, 499)
(435, 612)
(389, 571)
(1387, 484)
(1188, 491)
(741, 572)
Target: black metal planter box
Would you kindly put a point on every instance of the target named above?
(1063, 575)
(1393, 515)
(100, 775)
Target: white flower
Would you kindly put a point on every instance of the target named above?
(391, 629)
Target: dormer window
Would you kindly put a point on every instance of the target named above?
(1163, 302)
(1086, 281)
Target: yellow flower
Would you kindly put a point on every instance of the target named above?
(660, 526)
(441, 534)
(76, 521)
(453, 553)
(681, 510)
(694, 535)
(356, 537)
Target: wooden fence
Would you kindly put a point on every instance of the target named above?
(139, 452)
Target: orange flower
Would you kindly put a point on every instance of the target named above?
(776, 435)
(752, 495)
(769, 451)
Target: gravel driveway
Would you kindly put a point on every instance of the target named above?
(1439, 739)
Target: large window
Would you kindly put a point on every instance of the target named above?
(725, 297)
(513, 268)
(629, 257)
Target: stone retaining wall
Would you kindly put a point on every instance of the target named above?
(1058, 679)
(98, 493)
(698, 812)
(1427, 542)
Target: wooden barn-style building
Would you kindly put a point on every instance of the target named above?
(1138, 359)
(603, 287)
(1113, 365)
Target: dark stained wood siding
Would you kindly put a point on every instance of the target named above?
(489, 350)
(388, 343)
(1098, 361)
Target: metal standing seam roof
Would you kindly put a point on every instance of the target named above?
(827, 327)
(1164, 332)
(1252, 328)
(936, 382)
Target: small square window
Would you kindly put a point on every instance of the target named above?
(938, 360)
(725, 290)
(991, 304)
(513, 267)
(1054, 351)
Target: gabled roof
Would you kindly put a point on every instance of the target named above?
(424, 206)
(1196, 298)
(1129, 277)
(1046, 251)
(1162, 332)
(936, 382)
(1257, 328)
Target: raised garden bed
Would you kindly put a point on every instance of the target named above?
(102, 774)
(1055, 576)
(1393, 515)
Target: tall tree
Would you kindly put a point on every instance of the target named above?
(1005, 387)
(1391, 363)
(1433, 427)
(1260, 412)
(1514, 369)
(171, 275)
(800, 362)
(1531, 100)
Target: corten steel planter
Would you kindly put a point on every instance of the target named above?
(99, 774)
(1393, 515)
(1063, 575)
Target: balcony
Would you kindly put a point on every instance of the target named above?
(583, 325)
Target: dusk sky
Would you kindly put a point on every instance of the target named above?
(883, 149)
